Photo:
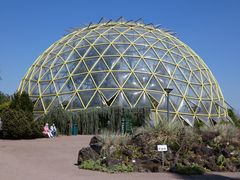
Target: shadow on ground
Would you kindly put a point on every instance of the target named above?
(207, 177)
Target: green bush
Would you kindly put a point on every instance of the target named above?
(17, 124)
(21, 101)
(98, 166)
(189, 170)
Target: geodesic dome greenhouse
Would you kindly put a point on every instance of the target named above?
(119, 63)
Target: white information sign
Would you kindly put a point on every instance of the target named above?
(162, 148)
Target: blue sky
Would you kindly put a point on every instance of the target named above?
(210, 28)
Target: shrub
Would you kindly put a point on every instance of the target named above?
(22, 102)
(189, 170)
(98, 166)
(15, 124)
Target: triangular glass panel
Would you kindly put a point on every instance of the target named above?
(101, 48)
(186, 73)
(141, 49)
(156, 95)
(121, 47)
(141, 41)
(55, 70)
(154, 85)
(36, 75)
(92, 52)
(121, 39)
(197, 89)
(63, 72)
(152, 64)
(121, 65)
(150, 54)
(59, 83)
(164, 81)
(184, 64)
(142, 67)
(194, 79)
(132, 96)
(100, 66)
(50, 89)
(83, 43)
(175, 101)
(191, 93)
(184, 107)
(178, 75)
(159, 45)
(98, 77)
(81, 68)
(121, 101)
(176, 57)
(176, 51)
(74, 56)
(96, 101)
(58, 61)
(87, 83)
(75, 103)
(101, 40)
(111, 51)
(189, 119)
(143, 78)
(47, 101)
(151, 40)
(110, 61)
(78, 79)
(170, 68)
(65, 55)
(131, 51)
(143, 101)
(38, 106)
(43, 85)
(132, 82)
(132, 61)
(64, 99)
(121, 77)
(86, 96)
(182, 86)
(205, 94)
(82, 50)
(205, 120)
(194, 105)
(168, 58)
(108, 94)
(72, 65)
(35, 90)
(90, 62)
(202, 109)
(47, 76)
(109, 82)
(68, 86)
(161, 70)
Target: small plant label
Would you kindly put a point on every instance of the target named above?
(162, 148)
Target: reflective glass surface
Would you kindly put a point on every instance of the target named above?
(124, 64)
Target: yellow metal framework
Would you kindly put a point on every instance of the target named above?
(124, 64)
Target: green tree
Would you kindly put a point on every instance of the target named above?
(21, 101)
(234, 117)
(4, 98)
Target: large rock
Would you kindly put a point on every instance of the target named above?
(86, 154)
(96, 143)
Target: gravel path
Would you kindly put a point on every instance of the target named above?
(54, 159)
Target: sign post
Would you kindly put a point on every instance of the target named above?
(162, 148)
